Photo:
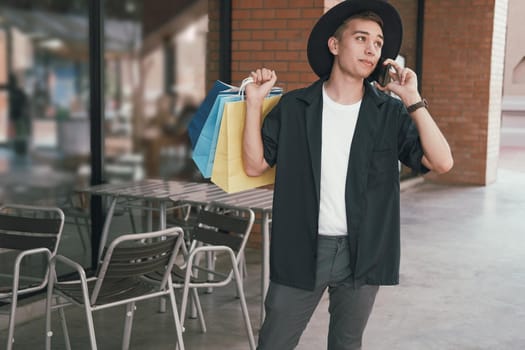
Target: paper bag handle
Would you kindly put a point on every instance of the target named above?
(249, 80)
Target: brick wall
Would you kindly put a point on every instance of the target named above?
(269, 33)
(213, 46)
(408, 11)
(462, 69)
(462, 73)
(273, 33)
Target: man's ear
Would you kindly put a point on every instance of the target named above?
(333, 44)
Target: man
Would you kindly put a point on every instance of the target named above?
(336, 146)
(19, 116)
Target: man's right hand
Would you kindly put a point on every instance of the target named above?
(253, 154)
(263, 81)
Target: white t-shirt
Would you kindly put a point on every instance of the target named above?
(338, 127)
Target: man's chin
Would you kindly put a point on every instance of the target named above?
(366, 74)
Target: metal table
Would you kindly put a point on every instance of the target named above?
(161, 195)
(154, 192)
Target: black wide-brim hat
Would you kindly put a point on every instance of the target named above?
(320, 57)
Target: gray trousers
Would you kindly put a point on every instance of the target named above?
(288, 309)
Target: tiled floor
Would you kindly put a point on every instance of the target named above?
(462, 278)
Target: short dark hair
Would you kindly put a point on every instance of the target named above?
(369, 15)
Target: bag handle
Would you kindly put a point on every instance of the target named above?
(249, 80)
(242, 88)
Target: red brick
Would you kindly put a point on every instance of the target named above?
(457, 63)
(264, 35)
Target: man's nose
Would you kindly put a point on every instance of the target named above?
(370, 49)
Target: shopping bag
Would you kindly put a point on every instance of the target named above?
(199, 118)
(204, 152)
(228, 171)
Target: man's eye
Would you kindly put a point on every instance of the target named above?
(361, 38)
(379, 44)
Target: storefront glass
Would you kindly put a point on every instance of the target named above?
(154, 77)
(44, 123)
(154, 82)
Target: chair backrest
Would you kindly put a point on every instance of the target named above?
(220, 224)
(24, 227)
(139, 254)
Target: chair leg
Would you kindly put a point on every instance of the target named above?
(210, 256)
(178, 323)
(242, 299)
(90, 323)
(64, 326)
(197, 303)
(12, 316)
(243, 271)
(49, 297)
(244, 267)
(130, 311)
(193, 309)
(184, 304)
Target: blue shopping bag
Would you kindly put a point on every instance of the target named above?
(199, 118)
(204, 152)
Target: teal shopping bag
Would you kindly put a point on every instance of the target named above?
(204, 152)
(199, 118)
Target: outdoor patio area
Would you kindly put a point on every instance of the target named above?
(462, 273)
(121, 120)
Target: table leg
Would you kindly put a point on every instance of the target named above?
(265, 273)
(162, 216)
(162, 225)
(105, 229)
(149, 220)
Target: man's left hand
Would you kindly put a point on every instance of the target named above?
(403, 83)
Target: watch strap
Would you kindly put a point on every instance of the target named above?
(412, 108)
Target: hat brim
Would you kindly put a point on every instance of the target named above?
(320, 57)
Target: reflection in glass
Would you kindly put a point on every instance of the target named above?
(155, 63)
(44, 123)
(153, 89)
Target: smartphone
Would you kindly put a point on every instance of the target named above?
(383, 77)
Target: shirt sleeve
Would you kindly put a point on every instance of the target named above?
(270, 134)
(410, 150)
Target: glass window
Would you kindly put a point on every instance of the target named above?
(44, 123)
(155, 79)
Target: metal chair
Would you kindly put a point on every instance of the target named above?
(27, 232)
(218, 229)
(76, 207)
(119, 281)
(185, 213)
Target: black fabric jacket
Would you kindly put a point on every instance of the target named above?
(292, 141)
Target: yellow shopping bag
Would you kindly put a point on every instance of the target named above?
(228, 171)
